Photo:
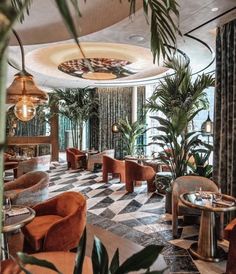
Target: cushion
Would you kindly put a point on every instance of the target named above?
(229, 228)
(36, 230)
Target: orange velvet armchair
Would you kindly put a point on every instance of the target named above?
(58, 225)
(113, 166)
(230, 235)
(76, 158)
(136, 172)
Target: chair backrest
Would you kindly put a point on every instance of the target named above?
(39, 163)
(76, 202)
(27, 180)
(109, 152)
(192, 183)
(98, 157)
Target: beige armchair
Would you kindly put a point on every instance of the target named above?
(28, 189)
(39, 163)
(186, 184)
(98, 158)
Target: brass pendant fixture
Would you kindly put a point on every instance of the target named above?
(24, 93)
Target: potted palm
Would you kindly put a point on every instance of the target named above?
(130, 133)
(78, 105)
(179, 99)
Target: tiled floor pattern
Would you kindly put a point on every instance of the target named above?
(138, 216)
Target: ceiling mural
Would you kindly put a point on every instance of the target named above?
(97, 68)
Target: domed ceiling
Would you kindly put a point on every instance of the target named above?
(110, 40)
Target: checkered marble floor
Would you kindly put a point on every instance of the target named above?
(138, 216)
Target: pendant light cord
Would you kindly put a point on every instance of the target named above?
(21, 51)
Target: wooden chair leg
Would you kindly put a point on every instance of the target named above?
(129, 185)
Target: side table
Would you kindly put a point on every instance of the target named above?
(206, 248)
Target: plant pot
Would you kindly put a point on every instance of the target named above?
(168, 202)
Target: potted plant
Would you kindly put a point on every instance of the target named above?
(200, 162)
(78, 105)
(179, 99)
(130, 133)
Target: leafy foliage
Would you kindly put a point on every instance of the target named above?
(164, 17)
(78, 105)
(143, 259)
(179, 99)
(163, 28)
(200, 165)
(178, 96)
(130, 132)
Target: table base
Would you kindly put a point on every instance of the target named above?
(220, 254)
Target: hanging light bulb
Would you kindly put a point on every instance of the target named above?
(23, 92)
(25, 109)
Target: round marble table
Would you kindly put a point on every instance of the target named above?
(206, 248)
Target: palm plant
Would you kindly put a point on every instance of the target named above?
(130, 133)
(178, 96)
(78, 105)
(179, 99)
(200, 165)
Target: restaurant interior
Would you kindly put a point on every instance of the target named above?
(118, 140)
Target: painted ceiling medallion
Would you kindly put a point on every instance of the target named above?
(104, 68)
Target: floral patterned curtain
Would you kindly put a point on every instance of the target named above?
(225, 109)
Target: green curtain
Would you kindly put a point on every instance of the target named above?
(64, 125)
(224, 161)
(114, 104)
(38, 126)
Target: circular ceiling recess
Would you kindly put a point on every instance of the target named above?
(97, 68)
(104, 64)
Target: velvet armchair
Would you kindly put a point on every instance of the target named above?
(58, 225)
(113, 166)
(230, 235)
(76, 158)
(186, 184)
(28, 189)
(136, 172)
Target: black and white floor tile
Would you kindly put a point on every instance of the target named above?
(138, 216)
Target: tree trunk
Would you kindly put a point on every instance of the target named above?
(81, 136)
(3, 77)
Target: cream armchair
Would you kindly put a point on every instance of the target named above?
(39, 163)
(98, 158)
(186, 184)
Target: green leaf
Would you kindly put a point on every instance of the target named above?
(80, 254)
(115, 262)
(141, 260)
(26, 259)
(99, 257)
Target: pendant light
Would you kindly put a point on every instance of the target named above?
(23, 92)
(207, 126)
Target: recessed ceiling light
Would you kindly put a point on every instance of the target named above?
(214, 9)
(136, 38)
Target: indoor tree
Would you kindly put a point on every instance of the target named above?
(178, 98)
(130, 133)
(78, 105)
